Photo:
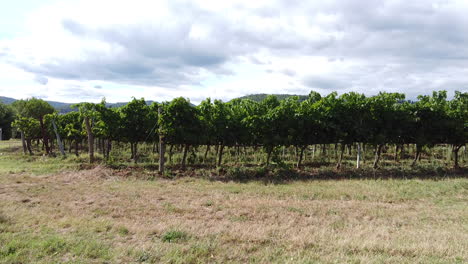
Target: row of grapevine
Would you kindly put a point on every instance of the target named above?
(351, 118)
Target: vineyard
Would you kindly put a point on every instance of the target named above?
(334, 179)
(351, 128)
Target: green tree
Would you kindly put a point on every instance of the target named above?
(263, 123)
(88, 113)
(49, 121)
(30, 128)
(208, 135)
(353, 117)
(37, 109)
(457, 127)
(7, 116)
(309, 130)
(430, 121)
(383, 120)
(108, 125)
(136, 123)
(20, 110)
(288, 126)
(72, 124)
(180, 124)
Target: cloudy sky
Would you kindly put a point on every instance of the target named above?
(80, 50)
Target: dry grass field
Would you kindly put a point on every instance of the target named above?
(53, 211)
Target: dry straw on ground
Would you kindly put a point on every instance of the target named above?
(392, 221)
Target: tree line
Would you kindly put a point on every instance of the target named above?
(345, 120)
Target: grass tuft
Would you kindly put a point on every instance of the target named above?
(175, 236)
(123, 231)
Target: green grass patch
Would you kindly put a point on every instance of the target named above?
(123, 231)
(175, 236)
(48, 246)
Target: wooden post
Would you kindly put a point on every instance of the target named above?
(340, 157)
(184, 158)
(1, 132)
(358, 160)
(23, 142)
(90, 139)
(220, 155)
(162, 148)
(378, 150)
(59, 142)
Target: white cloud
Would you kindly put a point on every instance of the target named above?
(225, 49)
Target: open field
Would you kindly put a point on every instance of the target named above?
(55, 210)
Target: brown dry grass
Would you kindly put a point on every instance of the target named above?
(348, 221)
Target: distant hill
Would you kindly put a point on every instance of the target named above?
(61, 107)
(64, 107)
(260, 97)
(6, 100)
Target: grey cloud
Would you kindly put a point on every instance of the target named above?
(164, 42)
(372, 79)
(204, 59)
(332, 59)
(41, 79)
(77, 91)
(255, 60)
(293, 89)
(223, 71)
(403, 30)
(326, 83)
(289, 72)
(97, 87)
(73, 26)
(164, 54)
(148, 55)
(4, 51)
(123, 69)
(393, 40)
